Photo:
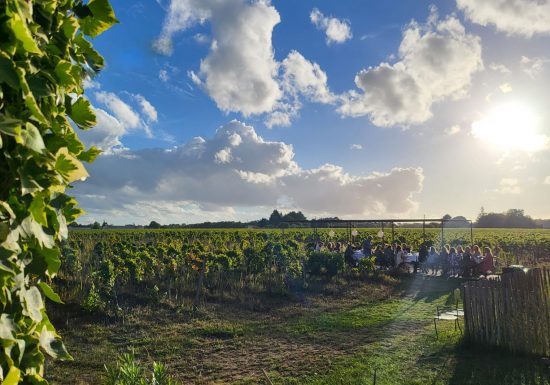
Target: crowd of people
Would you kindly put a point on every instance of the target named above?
(450, 261)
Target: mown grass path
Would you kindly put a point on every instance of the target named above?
(336, 334)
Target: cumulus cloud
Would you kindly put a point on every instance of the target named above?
(356, 147)
(238, 168)
(300, 79)
(533, 66)
(514, 17)
(118, 118)
(436, 61)
(240, 72)
(336, 30)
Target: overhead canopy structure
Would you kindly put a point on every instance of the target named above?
(350, 224)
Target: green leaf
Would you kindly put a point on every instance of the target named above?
(34, 304)
(31, 138)
(29, 228)
(69, 27)
(13, 377)
(89, 155)
(30, 101)
(23, 34)
(8, 74)
(82, 114)
(10, 126)
(8, 328)
(102, 18)
(37, 211)
(48, 292)
(28, 184)
(63, 73)
(70, 168)
(53, 345)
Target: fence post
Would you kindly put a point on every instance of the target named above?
(199, 283)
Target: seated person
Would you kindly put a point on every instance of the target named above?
(487, 264)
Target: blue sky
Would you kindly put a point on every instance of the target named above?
(211, 110)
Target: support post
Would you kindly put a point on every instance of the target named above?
(199, 284)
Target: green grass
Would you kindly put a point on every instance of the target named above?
(336, 338)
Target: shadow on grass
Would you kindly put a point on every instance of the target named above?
(479, 366)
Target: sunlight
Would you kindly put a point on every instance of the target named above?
(511, 126)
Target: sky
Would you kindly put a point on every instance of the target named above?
(214, 110)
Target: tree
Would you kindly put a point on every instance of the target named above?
(44, 58)
(154, 225)
(275, 218)
(96, 225)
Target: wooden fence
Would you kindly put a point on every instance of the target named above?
(511, 313)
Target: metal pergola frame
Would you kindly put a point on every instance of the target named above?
(348, 224)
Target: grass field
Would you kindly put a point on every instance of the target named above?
(329, 334)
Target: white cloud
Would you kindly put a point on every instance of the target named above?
(106, 134)
(453, 130)
(509, 186)
(300, 78)
(239, 71)
(118, 119)
(514, 17)
(90, 84)
(505, 88)
(336, 30)
(163, 76)
(547, 180)
(201, 38)
(122, 111)
(534, 66)
(437, 62)
(356, 147)
(498, 67)
(147, 108)
(222, 172)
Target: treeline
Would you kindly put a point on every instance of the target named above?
(276, 219)
(513, 218)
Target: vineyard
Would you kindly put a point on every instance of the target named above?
(221, 306)
(100, 267)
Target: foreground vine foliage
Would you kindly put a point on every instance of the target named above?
(44, 59)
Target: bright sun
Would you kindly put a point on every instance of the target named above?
(512, 126)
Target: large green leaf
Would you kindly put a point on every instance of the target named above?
(8, 74)
(89, 155)
(99, 18)
(53, 345)
(63, 73)
(70, 168)
(49, 293)
(31, 138)
(13, 377)
(22, 33)
(37, 209)
(8, 328)
(82, 114)
(10, 126)
(34, 303)
(28, 96)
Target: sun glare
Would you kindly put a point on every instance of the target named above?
(512, 126)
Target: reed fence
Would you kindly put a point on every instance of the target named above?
(512, 312)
